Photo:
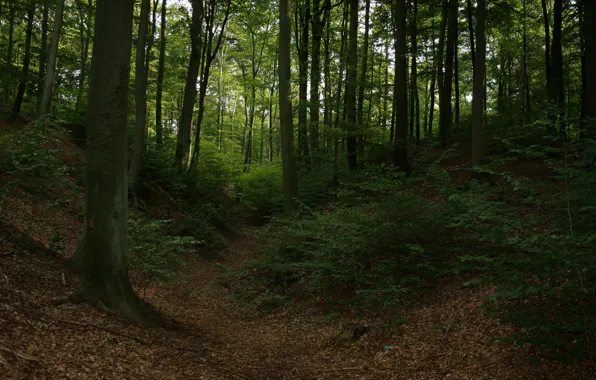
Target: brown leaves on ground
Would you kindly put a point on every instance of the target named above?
(207, 336)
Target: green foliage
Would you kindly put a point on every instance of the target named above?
(27, 156)
(152, 252)
(369, 254)
(261, 188)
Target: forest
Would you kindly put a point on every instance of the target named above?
(307, 189)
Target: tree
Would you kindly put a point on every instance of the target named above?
(208, 55)
(478, 92)
(11, 16)
(140, 99)
(400, 97)
(351, 143)
(302, 23)
(160, 77)
(101, 258)
(285, 109)
(589, 99)
(50, 76)
(319, 18)
(445, 116)
(190, 87)
(43, 47)
(16, 110)
(363, 72)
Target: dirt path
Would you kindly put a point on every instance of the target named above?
(208, 336)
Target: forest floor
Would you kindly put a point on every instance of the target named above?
(206, 334)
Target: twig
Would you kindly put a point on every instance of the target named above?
(115, 332)
(20, 354)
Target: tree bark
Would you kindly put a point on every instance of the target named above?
(351, 144)
(557, 96)
(43, 51)
(400, 101)
(415, 107)
(84, 15)
(160, 77)
(190, 88)
(209, 54)
(302, 23)
(11, 16)
(546, 45)
(478, 89)
(363, 81)
(318, 21)
(445, 116)
(140, 100)
(285, 109)
(16, 109)
(50, 76)
(102, 255)
(471, 34)
(589, 99)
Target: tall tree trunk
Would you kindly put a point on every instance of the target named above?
(7, 85)
(102, 255)
(285, 109)
(140, 99)
(190, 88)
(50, 76)
(526, 78)
(478, 89)
(84, 15)
(271, 116)
(415, 111)
(318, 21)
(456, 77)
(557, 96)
(327, 72)
(400, 97)
(546, 45)
(445, 116)
(471, 34)
(302, 22)
(220, 98)
(209, 55)
(16, 109)
(160, 76)
(43, 51)
(589, 99)
(386, 87)
(363, 81)
(351, 86)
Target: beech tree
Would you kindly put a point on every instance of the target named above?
(102, 255)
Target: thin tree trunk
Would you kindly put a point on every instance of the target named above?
(415, 110)
(351, 86)
(140, 99)
(526, 79)
(456, 77)
(84, 54)
(546, 45)
(478, 90)
(160, 77)
(50, 76)
(400, 97)
(445, 116)
(285, 109)
(302, 22)
(43, 51)
(471, 34)
(190, 88)
(386, 87)
(363, 81)
(7, 85)
(589, 99)
(557, 85)
(16, 110)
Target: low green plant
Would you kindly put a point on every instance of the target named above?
(153, 253)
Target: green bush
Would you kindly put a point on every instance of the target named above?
(261, 188)
(152, 252)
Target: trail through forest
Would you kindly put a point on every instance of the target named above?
(207, 335)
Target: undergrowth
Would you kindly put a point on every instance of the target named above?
(386, 237)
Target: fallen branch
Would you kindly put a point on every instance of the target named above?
(20, 354)
(157, 188)
(115, 332)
